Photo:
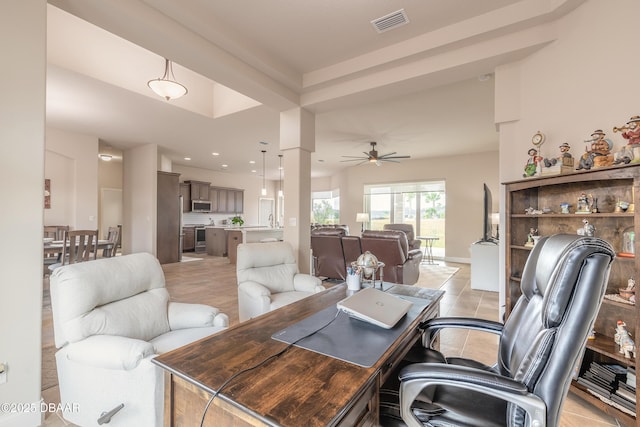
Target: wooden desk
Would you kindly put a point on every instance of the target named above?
(300, 387)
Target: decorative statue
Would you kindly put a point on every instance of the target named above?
(565, 158)
(600, 153)
(630, 151)
(531, 167)
(530, 237)
(583, 205)
(587, 229)
(623, 339)
(631, 130)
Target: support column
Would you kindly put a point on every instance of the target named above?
(297, 141)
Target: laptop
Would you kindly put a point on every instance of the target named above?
(376, 307)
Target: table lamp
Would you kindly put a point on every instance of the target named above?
(362, 217)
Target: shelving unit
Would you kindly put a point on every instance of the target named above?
(608, 185)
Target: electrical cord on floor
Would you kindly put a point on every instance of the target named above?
(263, 362)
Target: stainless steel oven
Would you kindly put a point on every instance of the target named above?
(201, 244)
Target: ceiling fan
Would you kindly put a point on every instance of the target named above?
(373, 157)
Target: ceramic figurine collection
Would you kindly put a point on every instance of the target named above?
(599, 152)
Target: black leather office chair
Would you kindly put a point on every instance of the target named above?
(563, 283)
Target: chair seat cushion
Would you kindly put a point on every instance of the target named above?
(283, 298)
(174, 339)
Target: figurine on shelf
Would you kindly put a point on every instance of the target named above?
(631, 151)
(530, 237)
(531, 168)
(583, 206)
(594, 204)
(623, 339)
(600, 153)
(565, 158)
(587, 229)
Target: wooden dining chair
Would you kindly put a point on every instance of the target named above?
(55, 232)
(113, 236)
(79, 246)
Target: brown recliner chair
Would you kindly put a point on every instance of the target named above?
(328, 254)
(402, 265)
(408, 230)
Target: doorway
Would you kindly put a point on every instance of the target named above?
(266, 213)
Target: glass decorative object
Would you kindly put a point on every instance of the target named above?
(629, 241)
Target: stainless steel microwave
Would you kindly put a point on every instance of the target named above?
(200, 206)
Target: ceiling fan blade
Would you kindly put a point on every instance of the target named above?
(395, 157)
(355, 160)
(356, 157)
(389, 160)
(388, 154)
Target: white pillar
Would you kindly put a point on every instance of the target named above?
(297, 141)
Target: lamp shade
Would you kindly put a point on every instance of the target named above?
(166, 86)
(362, 217)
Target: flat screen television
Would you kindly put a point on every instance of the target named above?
(487, 226)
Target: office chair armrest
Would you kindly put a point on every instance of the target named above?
(415, 378)
(432, 327)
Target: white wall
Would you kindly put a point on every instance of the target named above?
(140, 199)
(463, 176)
(71, 162)
(22, 132)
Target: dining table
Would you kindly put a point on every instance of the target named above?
(55, 247)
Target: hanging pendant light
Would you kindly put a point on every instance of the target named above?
(264, 186)
(167, 86)
(280, 193)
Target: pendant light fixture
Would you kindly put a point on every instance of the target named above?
(264, 186)
(280, 193)
(167, 86)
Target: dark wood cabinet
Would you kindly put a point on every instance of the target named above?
(188, 239)
(185, 192)
(239, 201)
(234, 238)
(605, 187)
(199, 190)
(216, 239)
(168, 217)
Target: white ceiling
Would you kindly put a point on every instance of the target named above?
(413, 89)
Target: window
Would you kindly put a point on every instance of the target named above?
(325, 207)
(421, 204)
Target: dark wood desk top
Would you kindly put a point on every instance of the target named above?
(300, 386)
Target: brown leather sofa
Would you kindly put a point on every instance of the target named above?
(408, 229)
(402, 265)
(328, 253)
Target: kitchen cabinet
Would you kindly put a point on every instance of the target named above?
(199, 190)
(226, 200)
(216, 239)
(606, 187)
(168, 217)
(188, 239)
(234, 238)
(185, 192)
(239, 199)
(222, 200)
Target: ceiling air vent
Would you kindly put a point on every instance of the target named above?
(390, 21)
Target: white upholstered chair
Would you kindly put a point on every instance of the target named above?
(110, 318)
(268, 278)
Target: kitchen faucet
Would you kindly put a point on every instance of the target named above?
(271, 220)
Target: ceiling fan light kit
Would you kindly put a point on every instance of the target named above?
(167, 86)
(373, 157)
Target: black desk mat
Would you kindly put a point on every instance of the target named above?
(346, 338)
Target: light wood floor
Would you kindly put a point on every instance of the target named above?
(212, 280)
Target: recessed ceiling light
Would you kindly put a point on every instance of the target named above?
(187, 158)
(252, 162)
(105, 157)
(215, 154)
(253, 171)
(225, 166)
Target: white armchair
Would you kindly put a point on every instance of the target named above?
(268, 278)
(110, 318)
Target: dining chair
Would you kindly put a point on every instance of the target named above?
(79, 246)
(113, 236)
(55, 232)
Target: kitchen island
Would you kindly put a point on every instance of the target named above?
(237, 235)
